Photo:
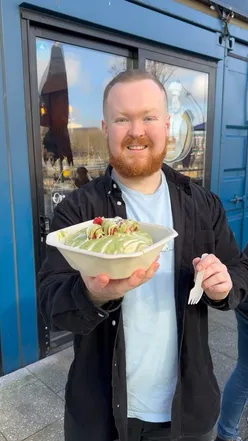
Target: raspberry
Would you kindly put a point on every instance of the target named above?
(98, 221)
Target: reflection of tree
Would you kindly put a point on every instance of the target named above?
(118, 65)
(161, 71)
(88, 142)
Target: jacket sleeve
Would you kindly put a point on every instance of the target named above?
(63, 300)
(227, 250)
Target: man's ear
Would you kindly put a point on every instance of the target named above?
(104, 128)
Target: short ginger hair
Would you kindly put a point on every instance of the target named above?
(130, 76)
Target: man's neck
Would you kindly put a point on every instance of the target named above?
(147, 185)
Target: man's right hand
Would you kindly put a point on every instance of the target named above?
(102, 290)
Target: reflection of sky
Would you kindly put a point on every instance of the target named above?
(88, 72)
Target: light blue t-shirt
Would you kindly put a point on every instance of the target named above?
(149, 318)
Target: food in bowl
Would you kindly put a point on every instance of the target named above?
(110, 236)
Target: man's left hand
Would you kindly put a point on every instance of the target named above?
(217, 282)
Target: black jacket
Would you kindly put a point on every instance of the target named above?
(96, 388)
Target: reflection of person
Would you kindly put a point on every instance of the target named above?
(54, 105)
(142, 369)
(82, 177)
(235, 393)
(178, 126)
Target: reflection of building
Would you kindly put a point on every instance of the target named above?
(180, 136)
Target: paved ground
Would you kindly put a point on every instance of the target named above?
(32, 399)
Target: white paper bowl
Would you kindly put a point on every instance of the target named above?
(116, 266)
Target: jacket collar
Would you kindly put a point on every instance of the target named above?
(171, 175)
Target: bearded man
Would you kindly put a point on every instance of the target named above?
(142, 369)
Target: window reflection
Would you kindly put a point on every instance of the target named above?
(71, 81)
(187, 95)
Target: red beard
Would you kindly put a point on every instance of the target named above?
(132, 167)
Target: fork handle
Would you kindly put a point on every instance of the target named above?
(200, 274)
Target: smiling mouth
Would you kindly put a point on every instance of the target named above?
(137, 147)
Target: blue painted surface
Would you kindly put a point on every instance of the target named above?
(196, 17)
(140, 22)
(8, 311)
(234, 147)
(184, 12)
(217, 128)
(15, 113)
(123, 16)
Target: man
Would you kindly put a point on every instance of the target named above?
(235, 394)
(142, 369)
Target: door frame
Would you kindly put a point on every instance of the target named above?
(36, 25)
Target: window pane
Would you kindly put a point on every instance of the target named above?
(71, 81)
(188, 105)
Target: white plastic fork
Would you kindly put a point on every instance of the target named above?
(195, 294)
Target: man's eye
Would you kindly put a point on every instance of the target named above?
(150, 118)
(121, 120)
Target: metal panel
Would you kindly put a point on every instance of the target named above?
(177, 9)
(217, 128)
(9, 326)
(142, 22)
(22, 217)
(233, 186)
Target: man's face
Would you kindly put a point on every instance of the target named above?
(136, 125)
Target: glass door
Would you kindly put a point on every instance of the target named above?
(70, 147)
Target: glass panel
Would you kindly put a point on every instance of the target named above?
(188, 105)
(71, 81)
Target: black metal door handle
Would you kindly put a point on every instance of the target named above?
(45, 224)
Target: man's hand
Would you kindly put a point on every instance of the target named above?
(217, 282)
(102, 290)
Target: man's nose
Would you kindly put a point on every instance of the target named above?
(136, 129)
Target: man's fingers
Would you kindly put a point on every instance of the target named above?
(150, 272)
(206, 262)
(96, 284)
(136, 279)
(139, 277)
(196, 261)
(215, 268)
(221, 288)
(218, 279)
(120, 287)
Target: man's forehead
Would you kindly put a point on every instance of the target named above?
(144, 95)
(143, 87)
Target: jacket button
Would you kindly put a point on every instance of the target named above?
(101, 315)
(113, 322)
(118, 405)
(114, 186)
(119, 203)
